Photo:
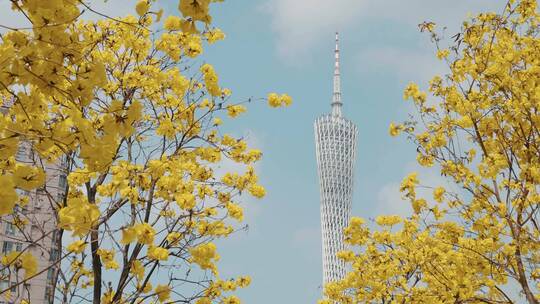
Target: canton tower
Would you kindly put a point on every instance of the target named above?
(335, 144)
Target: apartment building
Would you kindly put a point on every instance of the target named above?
(36, 234)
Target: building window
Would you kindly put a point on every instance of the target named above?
(10, 229)
(62, 182)
(55, 236)
(21, 152)
(49, 295)
(11, 246)
(54, 255)
(4, 284)
(59, 197)
(50, 274)
(4, 273)
(39, 202)
(64, 162)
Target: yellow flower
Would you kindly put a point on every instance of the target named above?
(163, 292)
(409, 183)
(196, 9)
(438, 194)
(24, 260)
(418, 205)
(145, 233)
(172, 23)
(142, 7)
(286, 100)
(9, 195)
(211, 80)
(107, 256)
(412, 91)
(107, 297)
(231, 300)
(194, 48)
(186, 201)
(235, 211)
(441, 54)
(166, 128)
(425, 160)
(77, 246)
(226, 92)
(78, 216)
(137, 269)
(147, 288)
(346, 255)
(204, 301)
(129, 235)
(10, 258)
(205, 255)
(394, 129)
(257, 191)
(28, 178)
(235, 110)
(173, 238)
(29, 264)
(158, 253)
(214, 35)
(388, 220)
(243, 281)
(274, 100)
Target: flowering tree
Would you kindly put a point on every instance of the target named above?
(481, 242)
(120, 141)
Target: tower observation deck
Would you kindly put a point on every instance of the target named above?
(335, 144)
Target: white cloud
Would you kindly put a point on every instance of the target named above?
(389, 201)
(302, 25)
(417, 65)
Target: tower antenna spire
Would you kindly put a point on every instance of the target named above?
(335, 146)
(336, 98)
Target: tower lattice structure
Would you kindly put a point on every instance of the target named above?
(335, 143)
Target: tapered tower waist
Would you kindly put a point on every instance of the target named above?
(335, 145)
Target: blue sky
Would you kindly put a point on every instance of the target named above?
(287, 46)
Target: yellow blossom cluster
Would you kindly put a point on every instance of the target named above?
(477, 236)
(214, 35)
(205, 255)
(77, 246)
(107, 256)
(21, 260)
(219, 287)
(275, 100)
(79, 216)
(211, 80)
(137, 123)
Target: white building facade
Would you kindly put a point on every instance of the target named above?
(39, 236)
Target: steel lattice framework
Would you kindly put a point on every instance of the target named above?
(335, 143)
